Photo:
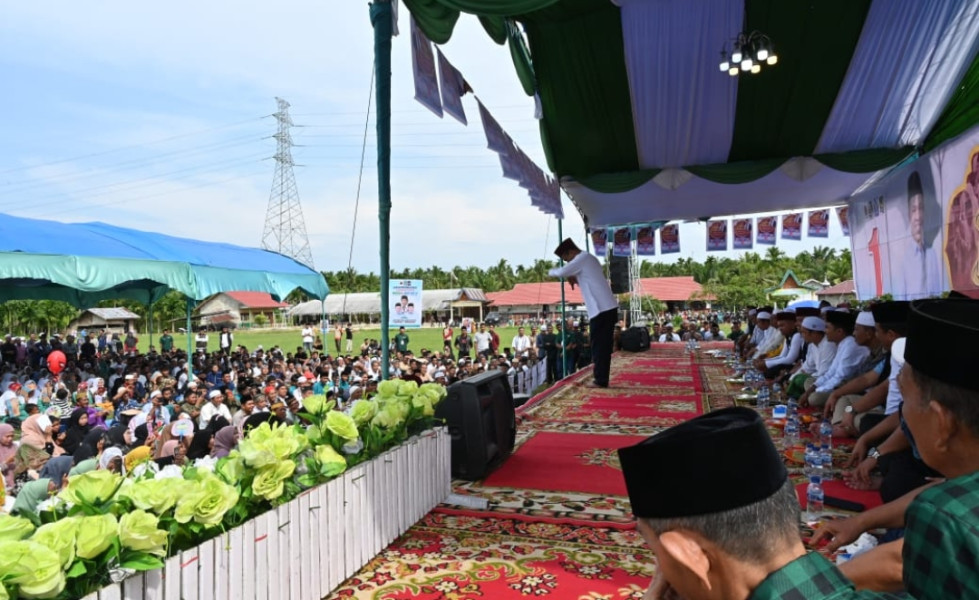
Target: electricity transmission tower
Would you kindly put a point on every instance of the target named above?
(285, 229)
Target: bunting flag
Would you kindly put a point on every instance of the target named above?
(496, 140)
(843, 213)
(717, 235)
(767, 230)
(792, 226)
(819, 223)
(742, 234)
(646, 241)
(622, 242)
(599, 241)
(669, 239)
(423, 65)
(454, 87)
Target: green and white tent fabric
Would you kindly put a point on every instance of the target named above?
(641, 125)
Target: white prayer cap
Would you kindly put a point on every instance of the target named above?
(865, 318)
(214, 394)
(765, 315)
(826, 309)
(155, 393)
(752, 312)
(814, 324)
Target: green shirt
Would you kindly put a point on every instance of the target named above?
(941, 541)
(166, 343)
(401, 342)
(810, 577)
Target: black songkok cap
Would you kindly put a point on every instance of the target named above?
(891, 312)
(676, 473)
(840, 318)
(807, 311)
(785, 316)
(567, 244)
(939, 334)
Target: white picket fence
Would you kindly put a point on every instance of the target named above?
(526, 383)
(304, 549)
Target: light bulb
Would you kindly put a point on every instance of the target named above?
(772, 59)
(736, 55)
(762, 53)
(733, 71)
(746, 64)
(725, 66)
(756, 68)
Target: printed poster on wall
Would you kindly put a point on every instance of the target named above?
(423, 66)
(645, 241)
(742, 234)
(792, 226)
(842, 213)
(819, 223)
(669, 239)
(599, 241)
(766, 230)
(405, 300)
(622, 242)
(717, 235)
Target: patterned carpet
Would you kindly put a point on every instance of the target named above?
(557, 523)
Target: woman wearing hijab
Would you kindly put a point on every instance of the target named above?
(112, 460)
(8, 453)
(36, 445)
(32, 494)
(166, 434)
(57, 469)
(170, 453)
(91, 446)
(224, 441)
(77, 429)
(140, 435)
(217, 423)
(119, 436)
(200, 446)
(138, 455)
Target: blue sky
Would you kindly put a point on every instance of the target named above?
(156, 116)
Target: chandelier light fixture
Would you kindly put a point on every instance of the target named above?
(749, 51)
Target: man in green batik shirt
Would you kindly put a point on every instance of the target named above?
(714, 502)
(941, 411)
(166, 342)
(401, 341)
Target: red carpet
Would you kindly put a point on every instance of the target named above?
(838, 489)
(638, 406)
(566, 461)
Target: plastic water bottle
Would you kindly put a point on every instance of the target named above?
(777, 393)
(763, 394)
(826, 460)
(826, 433)
(814, 498)
(792, 430)
(792, 407)
(811, 458)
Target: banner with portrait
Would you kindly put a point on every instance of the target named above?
(792, 226)
(819, 223)
(842, 213)
(766, 229)
(423, 67)
(622, 241)
(646, 241)
(405, 302)
(742, 239)
(599, 241)
(717, 235)
(669, 239)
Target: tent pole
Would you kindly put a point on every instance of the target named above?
(564, 337)
(190, 342)
(150, 321)
(381, 19)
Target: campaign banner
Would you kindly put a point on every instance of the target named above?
(819, 223)
(423, 67)
(646, 241)
(496, 139)
(599, 241)
(405, 300)
(622, 242)
(792, 226)
(766, 230)
(454, 87)
(742, 234)
(669, 239)
(717, 235)
(842, 213)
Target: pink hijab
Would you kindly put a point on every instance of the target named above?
(5, 453)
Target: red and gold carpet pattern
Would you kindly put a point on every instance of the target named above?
(557, 522)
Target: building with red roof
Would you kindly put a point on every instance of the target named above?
(236, 309)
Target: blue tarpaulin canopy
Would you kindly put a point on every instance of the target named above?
(83, 263)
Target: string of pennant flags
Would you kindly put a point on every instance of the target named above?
(432, 67)
(747, 231)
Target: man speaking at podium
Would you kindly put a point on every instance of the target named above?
(584, 270)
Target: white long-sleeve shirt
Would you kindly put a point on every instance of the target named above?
(773, 339)
(846, 363)
(818, 358)
(790, 353)
(591, 278)
(894, 397)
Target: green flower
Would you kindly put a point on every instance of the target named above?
(435, 392)
(266, 446)
(388, 388)
(95, 535)
(342, 425)
(206, 502)
(59, 536)
(14, 528)
(139, 530)
(317, 405)
(363, 411)
(424, 403)
(231, 468)
(155, 495)
(269, 483)
(407, 388)
(34, 567)
(390, 416)
(94, 487)
(331, 462)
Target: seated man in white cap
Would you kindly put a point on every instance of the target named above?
(819, 356)
(214, 406)
(851, 351)
(771, 343)
(739, 544)
(790, 350)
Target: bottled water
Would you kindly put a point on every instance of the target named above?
(811, 458)
(826, 460)
(792, 430)
(814, 499)
(763, 394)
(777, 393)
(792, 407)
(826, 433)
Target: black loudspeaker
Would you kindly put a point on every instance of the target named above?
(635, 339)
(618, 274)
(479, 414)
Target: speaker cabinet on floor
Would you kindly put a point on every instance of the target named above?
(479, 414)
